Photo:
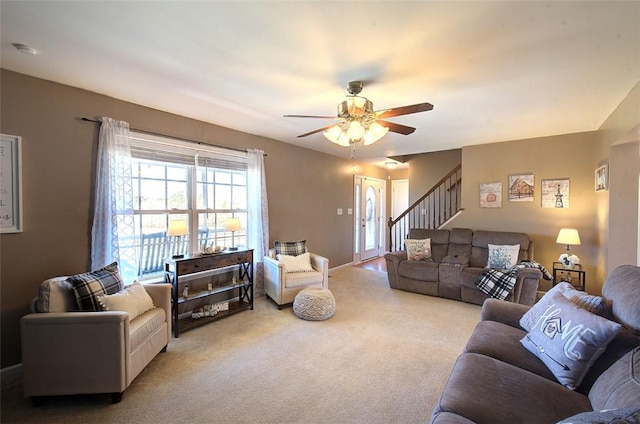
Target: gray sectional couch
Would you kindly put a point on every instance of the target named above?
(459, 257)
(497, 380)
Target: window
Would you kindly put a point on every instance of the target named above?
(182, 197)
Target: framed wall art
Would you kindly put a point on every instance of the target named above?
(555, 193)
(490, 195)
(602, 178)
(10, 184)
(521, 188)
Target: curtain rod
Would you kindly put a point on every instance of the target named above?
(165, 135)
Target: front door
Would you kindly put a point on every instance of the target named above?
(369, 218)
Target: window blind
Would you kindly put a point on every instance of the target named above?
(165, 149)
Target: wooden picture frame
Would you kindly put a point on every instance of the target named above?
(602, 178)
(10, 184)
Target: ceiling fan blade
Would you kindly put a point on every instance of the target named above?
(309, 116)
(404, 110)
(317, 131)
(396, 128)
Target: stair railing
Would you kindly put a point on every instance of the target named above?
(432, 210)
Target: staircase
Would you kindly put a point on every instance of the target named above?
(438, 205)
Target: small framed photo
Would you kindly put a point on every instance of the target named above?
(10, 184)
(490, 195)
(602, 178)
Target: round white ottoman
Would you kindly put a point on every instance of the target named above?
(314, 304)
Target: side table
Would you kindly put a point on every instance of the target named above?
(575, 276)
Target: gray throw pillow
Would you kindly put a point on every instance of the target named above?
(568, 339)
(613, 416)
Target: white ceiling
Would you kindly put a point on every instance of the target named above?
(494, 71)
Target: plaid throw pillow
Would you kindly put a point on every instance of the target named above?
(88, 286)
(291, 248)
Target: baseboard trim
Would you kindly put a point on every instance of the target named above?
(338, 268)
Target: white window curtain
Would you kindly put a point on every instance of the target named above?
(258, 236)
(112, 235)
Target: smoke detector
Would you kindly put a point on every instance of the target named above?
(24, 49)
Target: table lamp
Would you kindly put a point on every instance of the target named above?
(233, 225)
(568, 236)
(177, 228)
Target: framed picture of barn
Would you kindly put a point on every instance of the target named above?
(521, 188)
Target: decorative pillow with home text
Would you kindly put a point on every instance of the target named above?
(591, 303)
(418, 250)
(568, 339)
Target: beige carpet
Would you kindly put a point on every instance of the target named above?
(384, 357)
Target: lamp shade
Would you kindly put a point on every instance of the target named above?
(232, 224)
(568, 236)
(177, 227)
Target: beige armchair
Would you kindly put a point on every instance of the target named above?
(69, 352)
(282, 286)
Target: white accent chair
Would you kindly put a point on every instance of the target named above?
(67, 352)
(282, 286)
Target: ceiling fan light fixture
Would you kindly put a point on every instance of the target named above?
(356, 106)
(358, 120)
(378, 129)
(336, 135)
(344, 140)
(333, 133)
(375, 133)
(356, 131)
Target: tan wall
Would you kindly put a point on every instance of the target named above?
(427, 169)
(624, 168)
(617, 209)
(566, 156)
(305, 188)
(615, 213)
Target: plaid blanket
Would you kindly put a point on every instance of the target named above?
(499, 283)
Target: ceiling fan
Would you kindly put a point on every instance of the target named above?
(359, 122)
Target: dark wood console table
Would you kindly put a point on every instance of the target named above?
(192, 265)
